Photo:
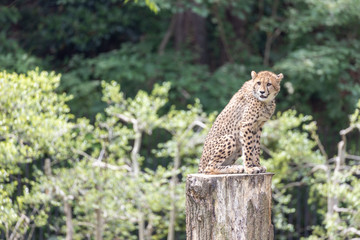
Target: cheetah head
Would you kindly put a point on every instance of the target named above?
(266, 85)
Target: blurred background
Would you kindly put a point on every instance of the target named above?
(105, 105)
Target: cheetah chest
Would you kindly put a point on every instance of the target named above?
(265, 114)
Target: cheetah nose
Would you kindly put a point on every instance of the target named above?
(262, 92)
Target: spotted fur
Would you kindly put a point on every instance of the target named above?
(237, 129)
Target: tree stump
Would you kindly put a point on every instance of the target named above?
(228, 207)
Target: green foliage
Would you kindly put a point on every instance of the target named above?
(296, 155)
(107, 184)
(135, 65)
(187, 128)
(18, 61)
(212, 47)
(86, 27)
(12, 57)
(34, 124)
(8, 210)
(143, 107)
(151, 4)
(33, 117)
(333, 14)
(291, 157)
(322, 59)
(100, 170)
(340, 186)
(315, 71)
(355, 117)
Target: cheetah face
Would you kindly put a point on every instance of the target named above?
(266, 85)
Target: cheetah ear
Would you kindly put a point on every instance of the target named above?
(279, 77)
(253, 75)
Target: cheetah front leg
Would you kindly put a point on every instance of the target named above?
(225, 153)
(248, 140)
(256, 151)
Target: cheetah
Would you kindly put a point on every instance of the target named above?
(238, 127)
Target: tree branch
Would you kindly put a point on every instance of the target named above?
(125, 118)
(167, 35)
(136, 148)
(222, 33)
(99, 163)
(350, 229)
(349, 129)
(101, 155)
(293, 184)
(319, 167)
(15, 235)
(353, 157)
(271, 36)
(345, 210)
(110, 166)
(321, 146)
(265, 149)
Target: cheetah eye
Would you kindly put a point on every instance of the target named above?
(268, 84)
(258, 83)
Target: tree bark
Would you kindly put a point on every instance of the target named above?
(136, 171)
(190, 30)
(69, 223)
(167, 36)
(271, 36)
(173, 184)
(235, 206)
(222, 34)
(99, 224)
(334, 181)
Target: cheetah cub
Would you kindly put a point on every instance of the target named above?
(238, 127)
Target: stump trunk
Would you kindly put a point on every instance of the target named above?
(234, 206)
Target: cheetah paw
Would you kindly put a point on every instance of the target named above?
(252, 170)
(262, 169)
(239, 169)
